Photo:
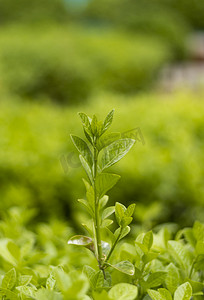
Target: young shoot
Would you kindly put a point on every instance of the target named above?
(99, 152)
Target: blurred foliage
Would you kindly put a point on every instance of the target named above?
(39, 167)
(78, 62)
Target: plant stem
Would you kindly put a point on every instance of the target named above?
(114, 245)
(96, 220)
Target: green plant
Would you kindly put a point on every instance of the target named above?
(106, 150)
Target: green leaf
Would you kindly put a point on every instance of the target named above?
(106, 223)
(103, 201)
(83, 149)
(107, 139)
(86, 168)
(105, 182)
(88, 271)
(181, 255)
(9, 279)
(125, 267)
(148, 240)
(115, 151)
(108, 121)
(155, 279)
(107, 212)
(97, 280)
(172, 279)
(198, 230)
(86, 123)
(149, 257)
(126, 221)
(165, 293)
(7, 294)
(24, 280)
(183, 292)
(94, 128)
(81, 240)
(105, 247)
(130, 210)
(200, 248)
(156, 295)
(86, 204)
(119, 212)
(50, 282)
(123, 291)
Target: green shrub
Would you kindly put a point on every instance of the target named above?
(68, 65)
(38, 167)
(38, 264)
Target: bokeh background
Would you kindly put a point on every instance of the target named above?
(143, 58)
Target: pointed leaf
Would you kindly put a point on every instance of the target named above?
(119, 212)
(9, 279)
(148, 239)
(83, 149)
(86, 167)
(156, 295)
(130, 210)
(105, 182)
(115, 151)
(108, 120)
(106, 223)
(86, 123)
(165, 293)
(107, 212)
(155, 279)
(125, 267)
(107, 139)
(172, 279)
(97, 280)
(81, 240)
(183, 292)
(123, 291)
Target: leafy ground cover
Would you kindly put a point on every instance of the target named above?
(38, 264)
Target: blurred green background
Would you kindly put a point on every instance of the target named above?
(60, 57)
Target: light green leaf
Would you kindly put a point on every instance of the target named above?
(123, 291)
(181, 255)
(200, 248)
(149, 257)
(94, 126)
(115, 151)
(105, 182)
(130, 210)
(125, 267)
(172, 279)
(24, 280)
(50, 282)
(97, 280)
(106, 223)
(103, 201)
(88, 271)
(107, 139)
(5, 253)
(86, 123)
(9, 279)
(105, 247)
(108, 120)
(119, 212)
(156, 295)
(86, 168)
(198, 230)
(83, 149)
(183, 292)
(148, 240)
(107, 212)
(86, 204)
(81, 240)
(126, 221)
(155, 279)
(165, 293)
(7, 294)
